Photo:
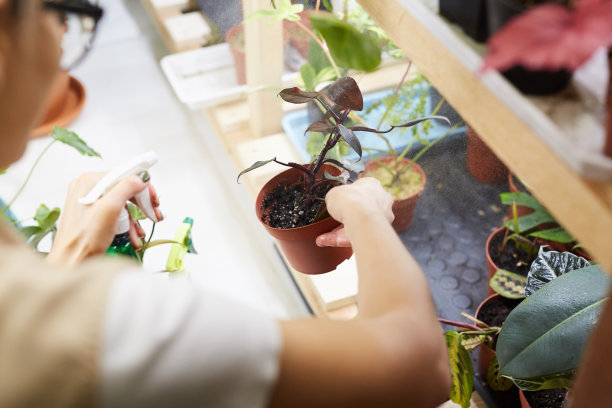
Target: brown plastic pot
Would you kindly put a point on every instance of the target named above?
(403, 209)
(234, 37)
(298, 244)
(481, 162)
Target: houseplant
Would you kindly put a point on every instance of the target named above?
(304, 186)
(403, 178)
(541, 342)
(551, 37)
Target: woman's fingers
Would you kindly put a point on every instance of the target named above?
(335, 238)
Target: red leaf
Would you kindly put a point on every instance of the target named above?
(296, 95)
(552, 37)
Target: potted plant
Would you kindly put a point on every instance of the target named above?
(470, 15)
(403, 178)
(291, 205)
(540, 344)
(550, 38)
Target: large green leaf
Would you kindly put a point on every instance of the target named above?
(557, 234)
(543, 337)
(549, 265)
(73, 140)
(462, 371)
(348, 46)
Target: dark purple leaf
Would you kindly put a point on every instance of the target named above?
(345, 93)
(417, 121)
(320, 126)
(296, 95)
(367, 129)
(350, 138)
(255, 165)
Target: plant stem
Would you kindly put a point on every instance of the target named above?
(322, 45)
(146, 244)
(28, 177)
(394, 96)
(459, 324)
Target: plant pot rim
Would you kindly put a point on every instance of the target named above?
(415, 166)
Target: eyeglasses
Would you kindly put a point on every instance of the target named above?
(80, 20)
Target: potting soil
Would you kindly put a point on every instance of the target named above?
(287, 206)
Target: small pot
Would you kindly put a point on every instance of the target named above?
(58, 95)
(481, 162)
(298, 244)
(530, 82)
(402, 209)
(235, 39)
(490, 264)
(470, 15)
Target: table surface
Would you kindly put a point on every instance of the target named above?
(131, 109)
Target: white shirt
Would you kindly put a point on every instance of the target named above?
(168, 343)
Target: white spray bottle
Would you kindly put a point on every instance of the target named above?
(121, 243)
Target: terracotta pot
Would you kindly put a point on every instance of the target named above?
(402, 209)
(235, 39)
(481, 162)
(524, 403)
(57, 98)
(490, 264)
(298, 244)
(485, 353)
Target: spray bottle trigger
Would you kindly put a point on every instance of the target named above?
(143, 200)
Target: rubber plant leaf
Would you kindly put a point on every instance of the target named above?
(73, 140)
(322, 126)
(254, 166)
(348, 46)
(296, 95)
(542, 339)
(549, 265)
(462, 370)
(552, 37)
(508, 284)
(350, 138)
(345, 93)
(494, 380)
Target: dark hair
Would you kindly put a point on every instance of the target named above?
(14, 5)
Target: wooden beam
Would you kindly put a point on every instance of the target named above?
(264, 66)
(583, 207)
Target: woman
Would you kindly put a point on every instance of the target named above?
(77, 330)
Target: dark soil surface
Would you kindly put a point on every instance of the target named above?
(495, 311)
(512, 259)
(546, 398)
(287, 206)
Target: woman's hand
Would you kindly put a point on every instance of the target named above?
(88, 230)
(347, 203)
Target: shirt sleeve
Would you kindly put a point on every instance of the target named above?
(169, 343)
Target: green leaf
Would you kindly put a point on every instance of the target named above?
(558, 234)
(254, 166)
(29, 231)
(135, 212)
(544, 336)
(73, 140)
(350, 47)
(545, 383)
(470, 341)
(527, 222)
(309, 76)
(494, 380)
(45, 217)
(326, 74)
(2, 171)
(549, 265)
(259, 15)
(462, 371)
(508, 284)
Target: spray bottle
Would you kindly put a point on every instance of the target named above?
(121, 244)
